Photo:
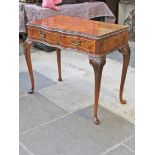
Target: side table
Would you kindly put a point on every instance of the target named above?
(96, 39)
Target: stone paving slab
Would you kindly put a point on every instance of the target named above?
(121, 150)
(59, 139)
(35, 110)
(76, 134)
(114, 127)
(71, 95)
(40, 82)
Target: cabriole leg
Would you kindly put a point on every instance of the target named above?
(97, 62)
(125, 51)
(27, 46)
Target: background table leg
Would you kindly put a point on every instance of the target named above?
(27, 46)
(125, 51)
(97, 62)
(59, 64)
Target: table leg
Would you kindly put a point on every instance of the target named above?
(59, 64)
(27, 46)
(125, 51)
(97, 62)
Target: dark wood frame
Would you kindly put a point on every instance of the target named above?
(113, 6)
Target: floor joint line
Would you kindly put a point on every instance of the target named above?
(117, 145)
(44, 124)
(25, 148)
(128, 147)
(51, 121)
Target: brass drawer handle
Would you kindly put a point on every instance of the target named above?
(42, 34)
(75, 43)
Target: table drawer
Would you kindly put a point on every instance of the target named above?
(77, 42)
(43, 35)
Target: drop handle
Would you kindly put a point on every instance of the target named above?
(75, 43)
(42, 34)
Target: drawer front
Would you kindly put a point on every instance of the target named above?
(43, 35)
(77, 43)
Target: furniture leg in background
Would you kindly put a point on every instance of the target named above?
(27, 49)
(59, 64)
(125, 51)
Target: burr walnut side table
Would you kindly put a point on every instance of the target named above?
(96, 39)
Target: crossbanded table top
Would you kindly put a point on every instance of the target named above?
(79, 26)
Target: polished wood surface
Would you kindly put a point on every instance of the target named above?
(96, 39)
(80, 26)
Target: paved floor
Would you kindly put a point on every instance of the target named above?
(56, 119)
